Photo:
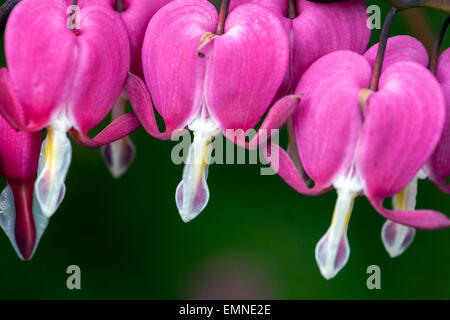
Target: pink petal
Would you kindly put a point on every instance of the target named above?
(102, 62)
(173, 71)
(135, 18)
(438, 166)
(400, 48)
(403, 123)
(276, 118)
(143, 107)
(323, 28)
(276, 6)
(282, 164)
(247, 65)
(319, 29)
(419, 219)
(39, 51)
(10, 108)
(328, 121)
(119, 128)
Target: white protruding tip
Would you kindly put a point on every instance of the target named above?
(396, 238)
(54, 162)
(332, 251)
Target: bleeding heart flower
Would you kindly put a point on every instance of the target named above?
(66, 67)
(135, 16)
(314, 30)
(20, 215)
(397, 237)
(210, 82)
(377, 150)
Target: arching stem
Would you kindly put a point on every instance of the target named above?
(5, 10)
(437, 46)
(382, 50)
(119, 6)
(223, 14)
(292, 10)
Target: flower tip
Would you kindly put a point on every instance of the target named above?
(327, 273)
(393, 253)
(26, 249)
(118, 156)
(186, 217)
(396, 238)
(332, 256)
(18, 221)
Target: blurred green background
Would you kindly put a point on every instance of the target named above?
(255, 239)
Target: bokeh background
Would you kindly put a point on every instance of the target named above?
(255, 239)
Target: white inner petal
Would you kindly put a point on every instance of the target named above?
(333, 250)
(54, 162)
(396, 237)
(192, 193)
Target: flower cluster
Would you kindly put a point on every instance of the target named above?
(361, 122)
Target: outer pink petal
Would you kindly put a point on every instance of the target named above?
(39, 51)
(248, 63)
(328, 121)
(276, 118)
(403, 123)
(173, 71)
(400, 48)
(101, 65)
(276, 6)
(143, 107)
(287, 170)
(136, 17)
(438, 166)
(10, 108)
(119, 128)
(321, 29)
(419, 219)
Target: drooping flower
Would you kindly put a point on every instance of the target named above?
(376, 151)
(208, 82)
(314, 30)
(20, 215)
(135, 16)
(397, 237)
(66, 67)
